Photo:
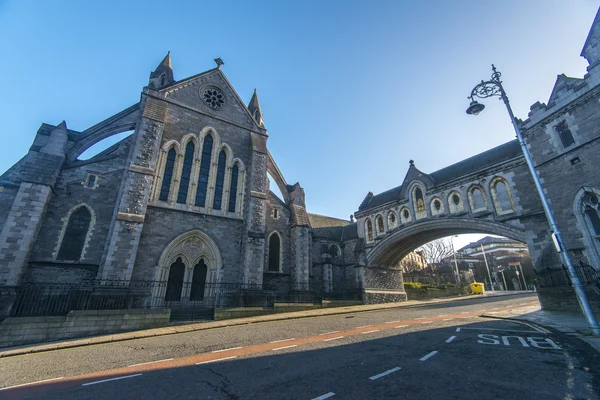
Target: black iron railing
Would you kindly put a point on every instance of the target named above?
(186, 300)
(550, 277)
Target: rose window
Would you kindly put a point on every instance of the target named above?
(214, 98)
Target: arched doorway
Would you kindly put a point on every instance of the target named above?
(188, 267)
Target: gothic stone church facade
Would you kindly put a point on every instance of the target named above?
(185, 199)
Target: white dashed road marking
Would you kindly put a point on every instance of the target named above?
(457, 329)
(401, 326)
(220, 351)
(149, 362)
(219, 359)
(451, 338)
(428, 356)
(381, 375)
(392, 322)
(327, 333)
(282, 340)
(333, 338)
(374, 330)
(501, 330)
(285, 347)
(447, 319)
(364, 326)
(325, 396)
(111, 379)
(426, 322)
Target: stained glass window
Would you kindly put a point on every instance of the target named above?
(186, 171)
(220, 181)
(204, 171)
(233, 188)
(167, 176)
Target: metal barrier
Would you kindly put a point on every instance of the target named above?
(551, 277)
(189, 300)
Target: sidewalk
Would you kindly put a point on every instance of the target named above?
(571, 324)
(170, 330)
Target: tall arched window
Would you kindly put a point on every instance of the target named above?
(75, 233)
(233, 188)
(198, 281)
(501, 195)
(392, 221)
(167, 175)
(380, 225)
(369, 230)
(274, 252)
(477, 199)
(220, 180)
(419, 201)
(591, 210)
(204, 171)
(184, 182)
(175, 282)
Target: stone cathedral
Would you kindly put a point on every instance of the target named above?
(185, 200)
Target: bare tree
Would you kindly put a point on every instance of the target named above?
(438, 252)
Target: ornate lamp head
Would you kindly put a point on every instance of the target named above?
(475, 108)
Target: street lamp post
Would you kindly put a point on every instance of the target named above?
(491, 88)
(455, 262)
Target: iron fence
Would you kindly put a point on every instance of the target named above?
(187, 301)
(550, 277)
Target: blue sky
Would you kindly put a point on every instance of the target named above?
(350, 90)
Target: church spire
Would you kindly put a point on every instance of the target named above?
(254, 108)
(163, 74)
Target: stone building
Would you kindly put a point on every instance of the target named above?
(185, 200)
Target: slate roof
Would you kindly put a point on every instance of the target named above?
(480, 161)
(299, 215)
(322, 221)
(488, 240)
(332, 228)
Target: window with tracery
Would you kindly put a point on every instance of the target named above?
(204, 171)
(380, 225)
(220, 180)
(167, 175)
(75, 234)
(392, 221)
(419, 201)
(369, 230)
(233, 188)
(186, 171)
(591, 210)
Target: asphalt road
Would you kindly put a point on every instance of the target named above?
(443, 351)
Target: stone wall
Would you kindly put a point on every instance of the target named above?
(28, 330)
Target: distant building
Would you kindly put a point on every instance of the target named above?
(413, 262)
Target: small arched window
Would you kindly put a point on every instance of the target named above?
(175, 282)
(334, 250)
(198, 281)
(437, 207)
(233, 188)
(75, 234)
(455, 203)
(502, 199)
(405, 216)
(380, 225)
(167, 175)
(477, 199)
(204, 171)
(186, 170)
(369, 230)
(274, 252)
(392, 221)
(220, 180)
